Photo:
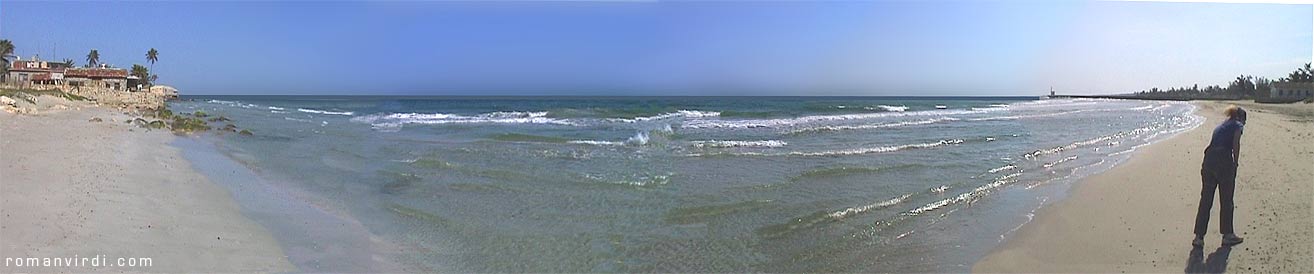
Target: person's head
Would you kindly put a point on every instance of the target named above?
(1235, 113)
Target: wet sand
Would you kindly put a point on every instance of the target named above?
(72, 187)
(1139, 216)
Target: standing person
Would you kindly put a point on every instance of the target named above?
(1219, 172)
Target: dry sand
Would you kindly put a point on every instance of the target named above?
(71, 187)
(1138, 217)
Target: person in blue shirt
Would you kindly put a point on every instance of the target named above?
(1218, 171)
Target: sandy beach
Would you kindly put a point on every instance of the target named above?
(1138, 216)
(75, 187)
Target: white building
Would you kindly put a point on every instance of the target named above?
(1291, 90)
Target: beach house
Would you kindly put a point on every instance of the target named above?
(1291, 90)
(36, 72)
(102, 77)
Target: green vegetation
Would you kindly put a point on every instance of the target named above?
(141, 72)
(1243, 87)
(200, 114)
(188, 124)
(152, 55)
(6, 51)
(93, 58)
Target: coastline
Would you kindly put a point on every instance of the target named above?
(1138, 216)
(75, 187)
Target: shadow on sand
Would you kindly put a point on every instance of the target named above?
(1215, 263)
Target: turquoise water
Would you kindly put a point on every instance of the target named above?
(683, 184)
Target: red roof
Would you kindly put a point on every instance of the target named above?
(96, 73)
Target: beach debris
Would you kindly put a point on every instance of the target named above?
(96, 120)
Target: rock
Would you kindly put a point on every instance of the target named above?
(6, 101)
(245, 132)
(95, 120)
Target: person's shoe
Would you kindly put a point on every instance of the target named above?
(1232, 239)
(1199, 241)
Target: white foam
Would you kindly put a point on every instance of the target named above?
(786, 122)
(1069, 158)
(729, 144)
(640, 138)
(976, 192)
(856, 151)
(501, 117)
(874, 126)
(276, 108)
(669, 115)
(596, 143)
(856, 210)
(316, 111)
(1002, 168)
(940, 189)
(232, 103)
(1015, 117)
(900, 108)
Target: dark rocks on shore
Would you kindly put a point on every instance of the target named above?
(96, 120)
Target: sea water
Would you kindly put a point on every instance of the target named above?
(662, 184)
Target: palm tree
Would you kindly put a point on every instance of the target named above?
(68, 62)
(93, 58)
(152, 56)
(6, 50)
(141, 72)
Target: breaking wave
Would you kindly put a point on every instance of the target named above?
(316, 111)
(500, 117)
(846, 152)
(669, 115)
(873, 126)
(787, 122)
(729, 144)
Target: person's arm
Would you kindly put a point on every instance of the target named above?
(1236, 146)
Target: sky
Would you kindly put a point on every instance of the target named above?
(906, 48)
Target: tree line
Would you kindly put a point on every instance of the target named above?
(1243, 87)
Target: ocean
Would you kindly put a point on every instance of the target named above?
(659, 184)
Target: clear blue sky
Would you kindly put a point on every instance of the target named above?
(672, 48)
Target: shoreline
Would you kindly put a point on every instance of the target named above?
(1138, 216)
(299, 222)
(112, 189)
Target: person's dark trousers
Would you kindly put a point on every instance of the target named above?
(1217, 172)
